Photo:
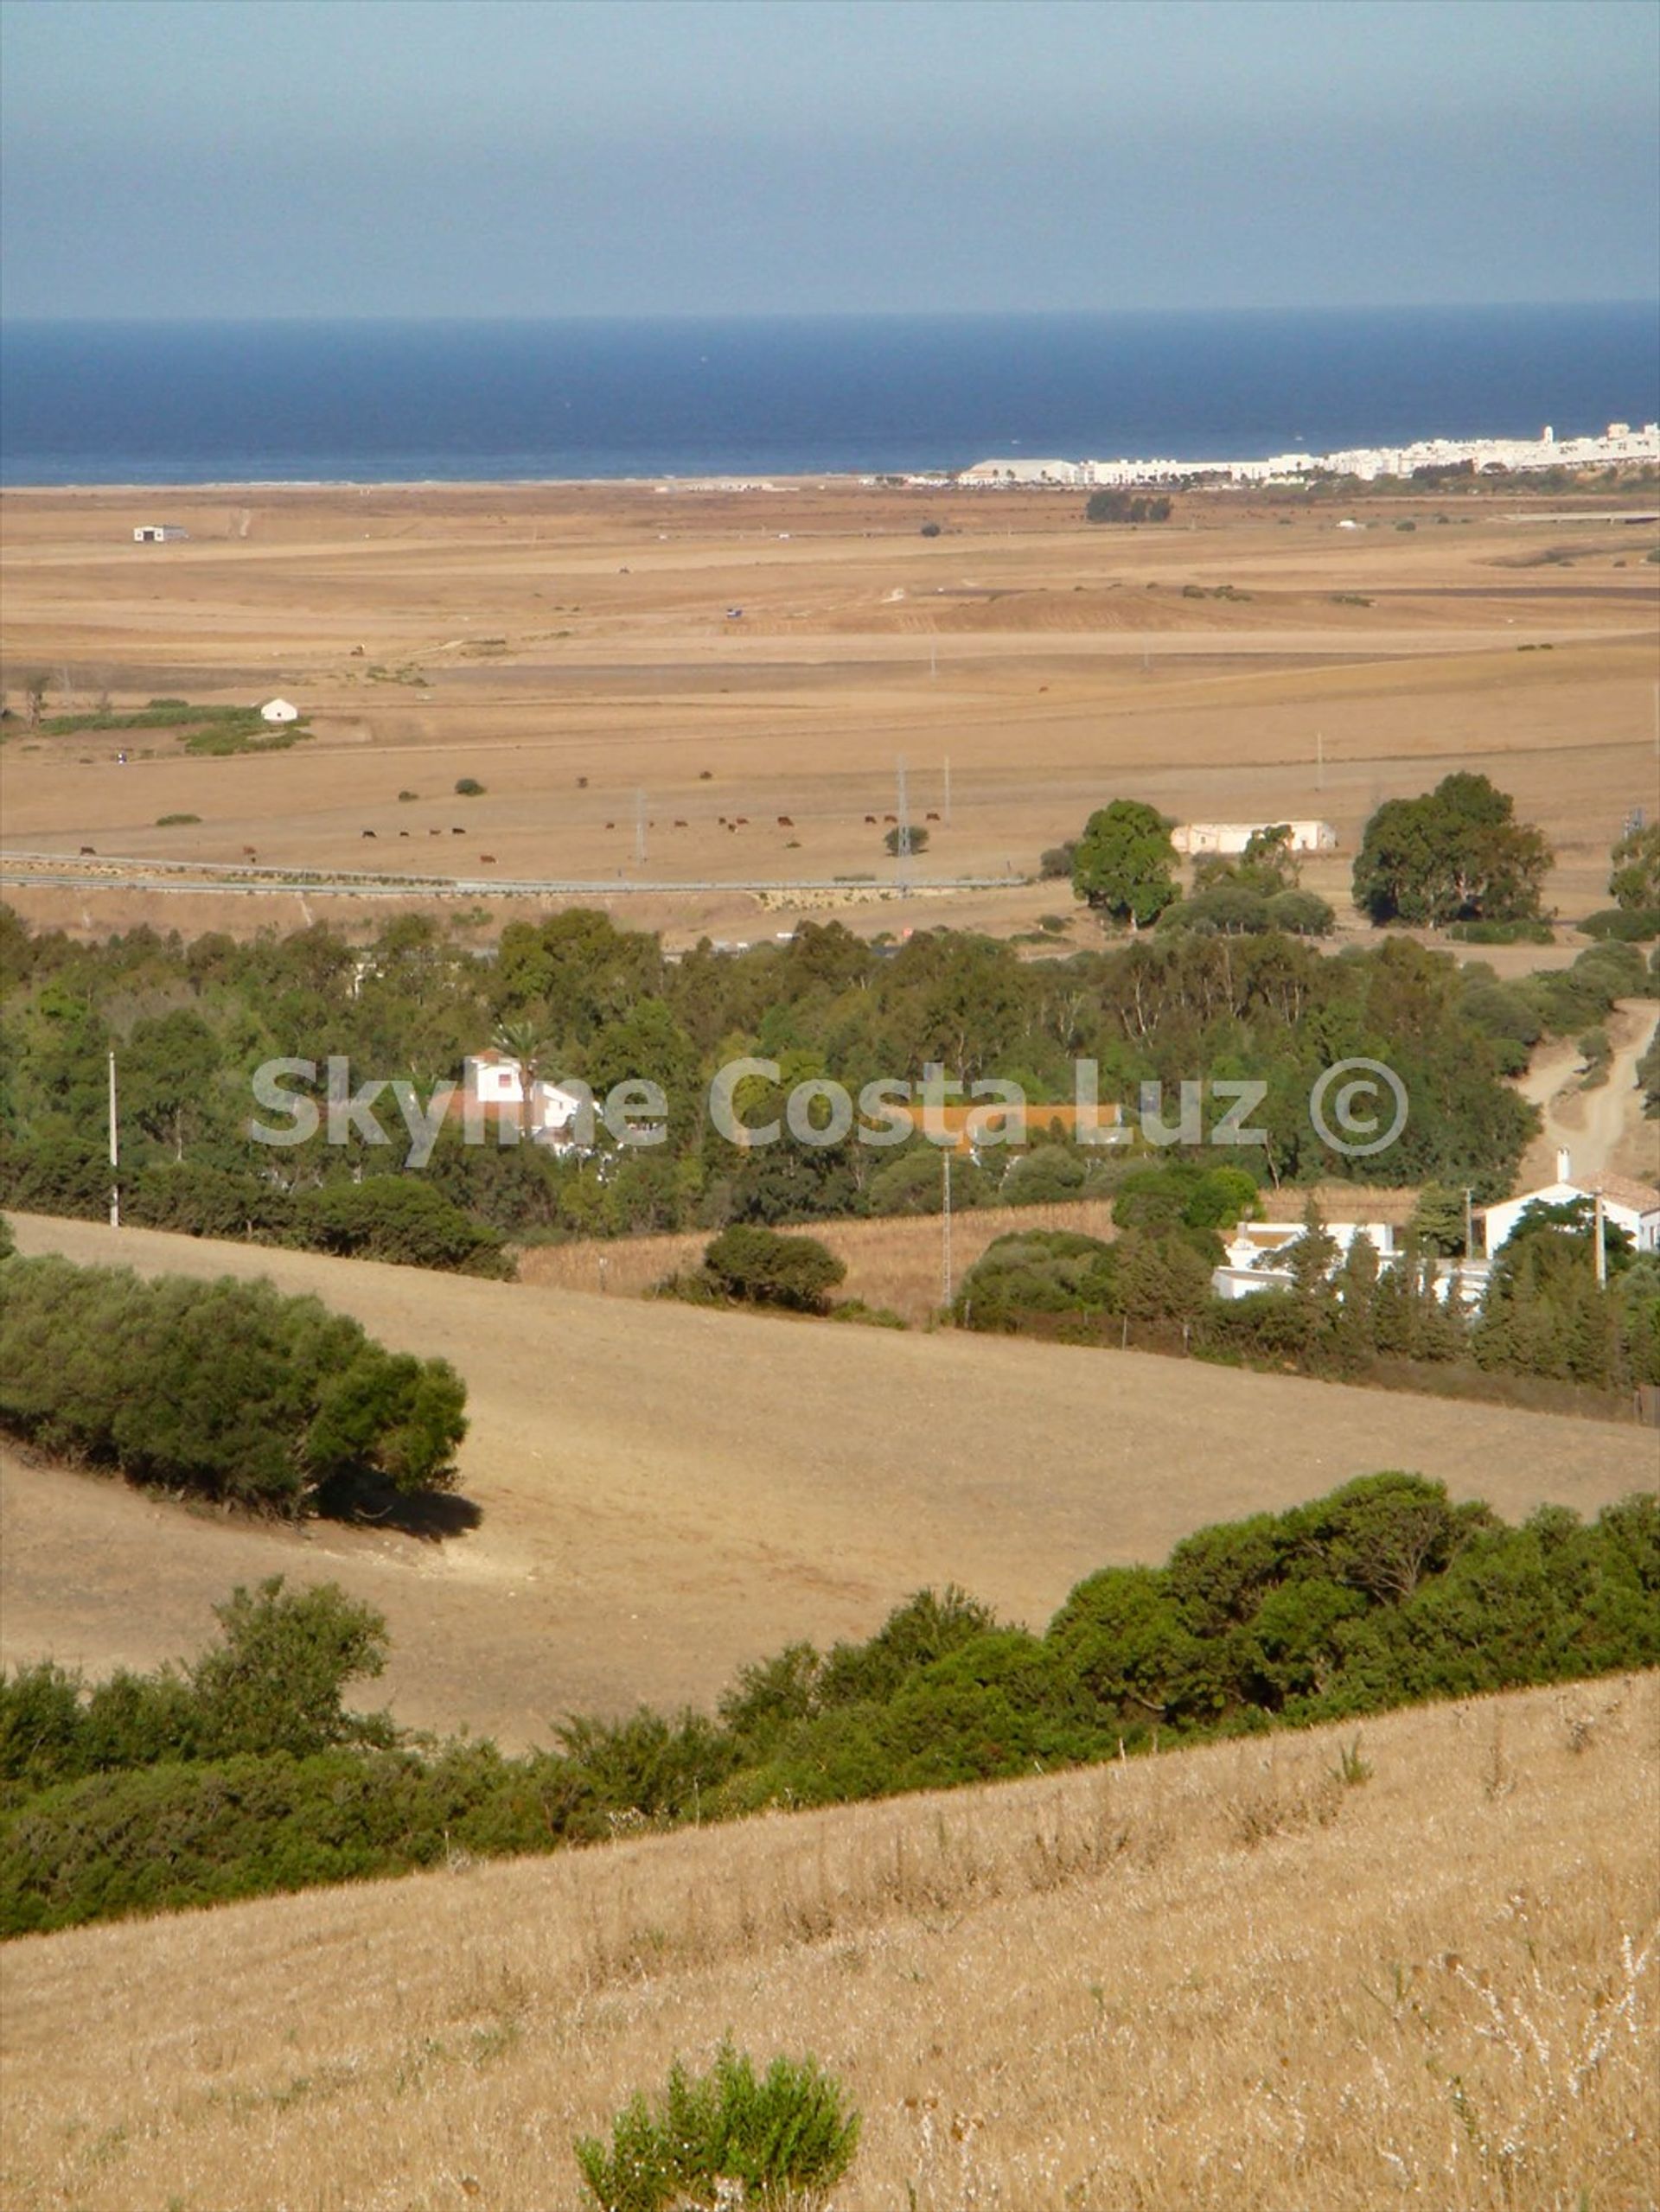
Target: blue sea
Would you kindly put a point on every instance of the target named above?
(389, 402)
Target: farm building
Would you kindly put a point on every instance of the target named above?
(1255, 1256)
(493, 1088)
(279, 711)
(1194, 838)
(1632, 1206)
(157, 533)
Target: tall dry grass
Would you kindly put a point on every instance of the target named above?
(897, 1261)
(1231, 1978)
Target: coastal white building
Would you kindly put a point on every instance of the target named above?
(1194, 838)
(1632, 1206)
(1620, 445)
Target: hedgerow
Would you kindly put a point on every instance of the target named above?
(246, 1774)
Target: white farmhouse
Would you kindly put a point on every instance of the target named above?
(1194, 838)
(1255, 1258)
(492, 1088)
(1632, 1206)
(279, 711)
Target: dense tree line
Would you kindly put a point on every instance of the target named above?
(246, 1772)
(226, 1389)
(191, 1020)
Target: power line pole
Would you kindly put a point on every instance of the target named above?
(1320, 761)
(947, 791)
(640, 828)
(115, 1154)
(902, 841)
(945, 1217)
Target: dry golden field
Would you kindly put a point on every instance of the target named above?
(568, 646)
(1222, 1980)
(668, 1494)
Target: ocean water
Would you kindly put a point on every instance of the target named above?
(387, 402)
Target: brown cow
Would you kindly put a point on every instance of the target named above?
(784, 822)
(486, 860)
(679, 825)
(248, 853)
(92, 849)
(932, 817)
(889, 817)
(455, 833)
(367, 833)
(743, 822)
(869, 817)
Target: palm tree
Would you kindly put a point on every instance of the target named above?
(529, 1044)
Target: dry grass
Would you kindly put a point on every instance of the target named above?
(1225, 1978)
(894, 1262)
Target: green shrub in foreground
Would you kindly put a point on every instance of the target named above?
(785, 2138)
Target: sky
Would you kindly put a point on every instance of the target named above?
(204, 158)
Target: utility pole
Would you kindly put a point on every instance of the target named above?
(901, 841)
(1601, 1256)
(1320, 761)
(945, 1221)
(115, 1154)
(947, 791)
(933, 656)
(640, 828)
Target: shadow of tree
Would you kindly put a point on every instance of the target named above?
(368, 1500)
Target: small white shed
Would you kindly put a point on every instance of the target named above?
(157, 533)
(279, 711)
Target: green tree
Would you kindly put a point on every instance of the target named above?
(1438, 1220)
(760, 1267)
(1634, 868)
(1124, 865)
(1453, 854)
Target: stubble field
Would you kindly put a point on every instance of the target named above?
(571, 648)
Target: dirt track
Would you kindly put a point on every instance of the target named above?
(667, 1494)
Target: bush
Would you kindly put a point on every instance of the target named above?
(401, 1219)
(1502, 933)
(786, 2137)
(1628, 924)
(915, 836)
(1055, 863)
(759, 1266)
(1115, 506)
(226, 1388)
(175, 821)
(468, 787)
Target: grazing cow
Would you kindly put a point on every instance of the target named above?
(403, 833)
(731, 829)
(367, 833)
(610, 825)
(784, 822)
(487, 860)
(869, 817)
(92, 849)
(679, 825)
(435, 833)
(455, 833)
(889, 817)
(743, 821)
(248, 853)
(932, 818)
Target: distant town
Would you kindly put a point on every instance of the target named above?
(1619, 446)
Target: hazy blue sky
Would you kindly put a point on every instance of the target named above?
(537, 157)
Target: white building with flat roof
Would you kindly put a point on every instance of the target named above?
(1194, 838)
